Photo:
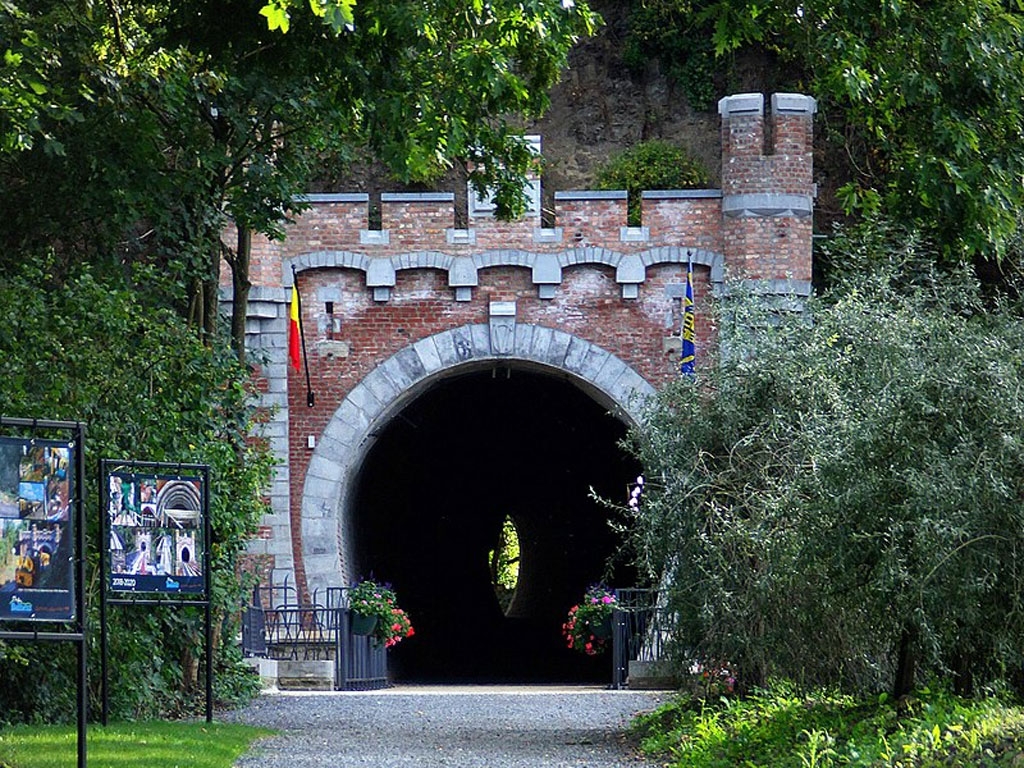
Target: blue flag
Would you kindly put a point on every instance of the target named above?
(689, 331)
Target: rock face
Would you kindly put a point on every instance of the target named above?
(601, 108)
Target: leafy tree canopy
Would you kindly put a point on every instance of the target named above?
(134, 132)
(921, 101)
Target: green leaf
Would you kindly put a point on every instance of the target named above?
(337, 14)
(276, 14)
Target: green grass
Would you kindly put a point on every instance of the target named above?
(130, 745)
(782, 728)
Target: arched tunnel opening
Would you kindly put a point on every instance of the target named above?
(429, 507)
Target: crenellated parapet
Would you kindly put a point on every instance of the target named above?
(758, 224)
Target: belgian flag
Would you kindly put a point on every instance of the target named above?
(294, 332)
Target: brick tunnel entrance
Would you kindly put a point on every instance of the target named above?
(430, 501)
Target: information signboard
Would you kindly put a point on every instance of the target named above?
(37, 541)
(156, 530)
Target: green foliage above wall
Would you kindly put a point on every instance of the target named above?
(921, 103)
(651, 165)
(670, 32)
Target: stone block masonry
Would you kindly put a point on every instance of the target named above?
(388, 312)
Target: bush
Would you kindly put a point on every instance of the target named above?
(651, 165)
(838, 501)
(783, 728)
(147, 388)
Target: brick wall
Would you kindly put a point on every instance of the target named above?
(369, 295)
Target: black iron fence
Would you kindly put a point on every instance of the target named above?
(278, 625)
(641, 628)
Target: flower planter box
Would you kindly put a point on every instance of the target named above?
(362, 625)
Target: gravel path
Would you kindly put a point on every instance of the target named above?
(478, 726)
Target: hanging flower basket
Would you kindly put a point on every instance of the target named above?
(602, 629)
(588, 627)
(376, 603)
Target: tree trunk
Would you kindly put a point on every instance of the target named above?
(195, 304)
(189, 670)
(905, 663)
(241, 285)
(963, 672)
(211, 294)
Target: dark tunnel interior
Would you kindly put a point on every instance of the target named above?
(429, 505)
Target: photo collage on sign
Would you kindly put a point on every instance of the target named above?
(156, 527)
(35, 530)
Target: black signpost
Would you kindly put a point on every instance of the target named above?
(42, 527)
(155, 546)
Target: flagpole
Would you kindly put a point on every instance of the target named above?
(310, 396)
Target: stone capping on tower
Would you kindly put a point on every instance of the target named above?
(741, 104)
(794, 104)
(740, 148)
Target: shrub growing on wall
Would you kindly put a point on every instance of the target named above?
(651, 165)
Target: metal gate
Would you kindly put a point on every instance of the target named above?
(277, 625)
(641, 628)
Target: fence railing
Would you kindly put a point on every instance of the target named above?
(277, 625)
(641, 627)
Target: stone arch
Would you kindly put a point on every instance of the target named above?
(346, 440)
